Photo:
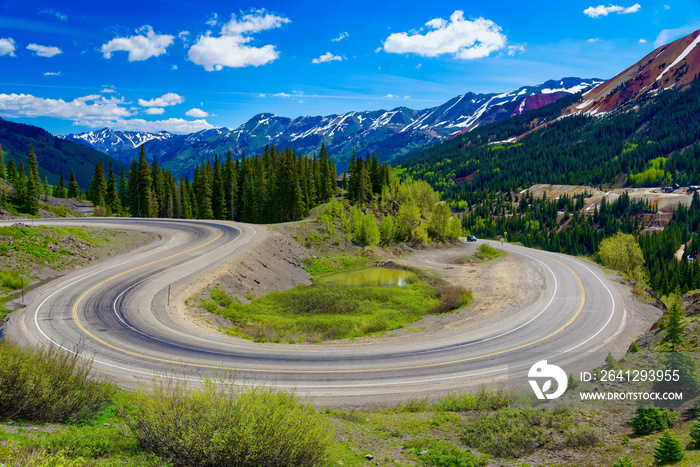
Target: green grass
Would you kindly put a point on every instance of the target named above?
(326, 265)
(487, 252)
(328, 310)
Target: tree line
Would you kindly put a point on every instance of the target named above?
(276, 186)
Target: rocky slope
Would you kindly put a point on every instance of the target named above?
(670, 66)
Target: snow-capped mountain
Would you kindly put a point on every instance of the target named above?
(670, 66)
(389, 133)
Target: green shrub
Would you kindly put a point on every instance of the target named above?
(463, 402)
(669, 449)
(695, 434)
(650, 419)
(623, 462)
(515, 432)
(11, 280)
(223, 424)
(582, 436)
(47, 384)
(487, 252)
(440, 453)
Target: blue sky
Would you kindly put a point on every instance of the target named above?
(182, 66)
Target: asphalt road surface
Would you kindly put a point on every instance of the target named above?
(117, 312)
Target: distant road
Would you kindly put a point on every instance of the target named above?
(117, 311)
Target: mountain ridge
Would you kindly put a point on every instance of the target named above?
(389, 133)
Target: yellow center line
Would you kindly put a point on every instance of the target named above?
(365, 370)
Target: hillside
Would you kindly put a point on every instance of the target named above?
(389, 133)
(55, 155)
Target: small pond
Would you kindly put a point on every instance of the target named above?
(372, 276)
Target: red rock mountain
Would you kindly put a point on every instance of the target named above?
(670, 66)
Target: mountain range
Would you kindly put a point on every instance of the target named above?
(389, 133)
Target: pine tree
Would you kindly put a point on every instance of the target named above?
(123, 189)
(20, 184)
(669, 449)
(143, 188)
(231, 187)
(183, 192)
(111, 195)
(364, 185)
(31, 202)
(327, 181)
(73, 188)
(59, 190)
(157, 198)
(695, 434)
(132, 189)
(2, 164)
(218, 196)
(11, 171)
(98, 186)
(674, 323)
(375, 174)
(47, 190)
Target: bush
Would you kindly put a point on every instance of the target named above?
(47, 384)
(464, 401)
(623, 462)
(11, 280)
(226, 425)
(515, 432)
(668, 450)
(695, 434)
(443, 454)
(582, 436)
(650, 419)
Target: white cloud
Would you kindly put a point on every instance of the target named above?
(327, 57)
(511, 50)
(419, 65)
(391, 96)
(464, 39)
(173, 68)
(155, 111)
(51, 12)
(52, 73)
(107, 90)
(196, 113)
(166, 100)
(140, 47)
(342, 36)
(7, 47)
(93, 111)
(602, 10)
(213, 20)
(26, 105)
(642, 41)
(282, 94)
(229, 49)
(593, 39)
(43, 50)
(667, 7)
(669, 35)
(184, 36)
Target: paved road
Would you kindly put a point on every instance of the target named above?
(117, 311)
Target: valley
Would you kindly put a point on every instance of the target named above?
(546, 241)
